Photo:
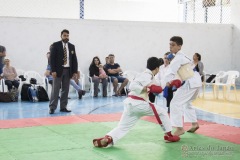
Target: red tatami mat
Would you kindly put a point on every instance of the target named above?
(31, 122)
(102, 117)
(218, 131)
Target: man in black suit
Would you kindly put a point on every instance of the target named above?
(64, 66)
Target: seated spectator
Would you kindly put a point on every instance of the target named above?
(94, 72)
(2, 55)
(107, 62)
(10, 75)
(114, 71)
(198, 65)
(48, 74)
(102, 72)
(74, 81)
(48, 70)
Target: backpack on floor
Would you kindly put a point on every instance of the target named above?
(32, 94)
(24, 92)
(14, 94)
(5, 97)
(42, 94)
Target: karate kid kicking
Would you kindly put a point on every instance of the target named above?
(181, 102)
(137, 105)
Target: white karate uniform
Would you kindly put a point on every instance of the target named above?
(181, 102)
(160, 78)
(161, 74)
(135, 109)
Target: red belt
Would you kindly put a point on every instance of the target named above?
(152, 106)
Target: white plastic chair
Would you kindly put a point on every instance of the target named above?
(20, 72)
(111, 86)
(3, 86)
(205, 83)
(91, 91)
(81, 81)
(130, 75)
(33, 74)
(231, 79)
(220, 80)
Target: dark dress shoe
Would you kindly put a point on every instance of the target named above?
(65, 110)
(51, 111)
(83, 92)
(80, 94)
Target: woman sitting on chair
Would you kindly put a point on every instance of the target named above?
(10, 75)
(198, 64)
(94, 72)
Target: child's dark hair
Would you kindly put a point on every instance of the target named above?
(153, 63)
(198, 56)
(177, 39)
(161, 61)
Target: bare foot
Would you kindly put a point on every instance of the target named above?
(179, 131)
(118, 93)
(195, 127)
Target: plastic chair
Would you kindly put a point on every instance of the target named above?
(3, 86)
(111, 86)
(20, 72)
(33, 74)
(81, 81)
(130, 75)
(220, 80)
(231, 79)
(205, 83)
(100, 87)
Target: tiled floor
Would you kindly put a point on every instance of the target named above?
(208, 108)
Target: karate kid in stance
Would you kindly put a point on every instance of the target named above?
(181, 102)
(137, 105)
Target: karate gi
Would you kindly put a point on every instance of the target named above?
(135, 109)
(160, 78)
(181, 102)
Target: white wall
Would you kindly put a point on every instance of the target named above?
(235, 16)
(27, 41)
(40, 8)
(132, 10)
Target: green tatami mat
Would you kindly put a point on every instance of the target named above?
(74, 142)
